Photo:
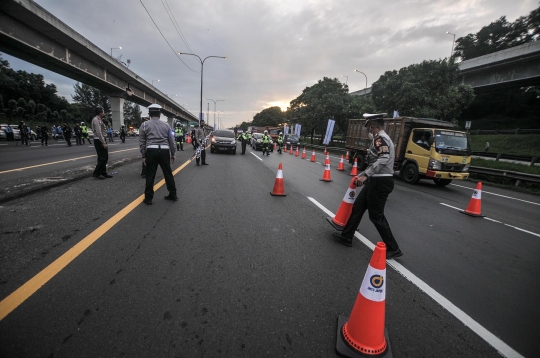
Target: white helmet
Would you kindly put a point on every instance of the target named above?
(265, 132)
(154, 106)
(280, 133)
(82, 123)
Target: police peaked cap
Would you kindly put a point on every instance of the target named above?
(371, 118)
(154, 107)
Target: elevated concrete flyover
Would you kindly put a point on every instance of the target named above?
(29, 32)
(514, 67)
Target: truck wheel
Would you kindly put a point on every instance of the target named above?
(361, 162)
(410, 174)
(442, 182)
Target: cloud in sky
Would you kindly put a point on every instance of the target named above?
(276, 48)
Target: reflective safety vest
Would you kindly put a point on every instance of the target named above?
(84, 129)
(178, 132)
(248, 136)
(280, 139)
(266, 138)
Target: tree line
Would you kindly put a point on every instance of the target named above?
(425, 90)
(26, 97)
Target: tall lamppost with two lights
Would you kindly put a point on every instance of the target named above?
(202, 67)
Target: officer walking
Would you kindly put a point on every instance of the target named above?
(378, 183)
(242, 137)
(200, 138)
(123, 132)
(84, 132)
(179, 136)
(266, 143)
(280, 142)
(156, 141)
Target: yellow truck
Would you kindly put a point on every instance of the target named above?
(425, 148)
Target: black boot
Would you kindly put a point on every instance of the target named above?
(345, 241)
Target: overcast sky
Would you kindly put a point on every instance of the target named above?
(275, 48)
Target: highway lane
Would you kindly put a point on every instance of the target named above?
(251, 273)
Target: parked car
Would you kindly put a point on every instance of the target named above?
(291, 139)
(116, 132)
(134, 132)
(223, 140)
(3, 133)
(256, 142)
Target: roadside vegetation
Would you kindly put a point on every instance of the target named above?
(515, 144)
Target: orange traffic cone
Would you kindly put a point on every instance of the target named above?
(275, 145)
(326, 174)
(304, 153)
(313, 158)
(327, 160)
(188, 139)
(279, 189)
(363, 333)
(347, 156)
(325, 152)
(345, 209)
(354, 170)
(475, 205)
(285, 148)
(297, 154)
(290, 151)
(341, 165)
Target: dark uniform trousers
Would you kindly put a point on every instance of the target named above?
(102, 158)
(161, 157)
(244, 143)
(373, 199)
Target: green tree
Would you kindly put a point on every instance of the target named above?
(92, 97)
(272, 116)
(327, 99)
(132, 114)
(426, 90)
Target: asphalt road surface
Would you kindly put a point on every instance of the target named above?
(87, 270)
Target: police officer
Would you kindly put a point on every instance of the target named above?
(248, 137)
(123, 132)
(156, 141)
(266, 143)
(378, 183)
(84, 132)
(280, 142)
(200, 138)
(242, 137)
(179, 136)
(143, 170)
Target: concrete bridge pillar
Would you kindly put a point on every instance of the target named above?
(170, 120)
(117, 109)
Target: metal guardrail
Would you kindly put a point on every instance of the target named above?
(504, 131)
(499, 156)
(506, 174)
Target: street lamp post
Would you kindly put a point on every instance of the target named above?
(347, 80)
(115, 48)
(364, 75)
(153, 82)
(217, 100)
(219, 120)
(202, 67)
(453, 42)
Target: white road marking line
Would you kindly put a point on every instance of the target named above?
(256, 156)
(500, 222)
(489, 337)
(502, 196)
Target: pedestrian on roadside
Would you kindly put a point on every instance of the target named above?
(84, 132)
(200, 138)
(143, 170)
(9, 133)
(59, 132)
(44, 135)
(156, 141)
(23, 132)
(378, 183)
(67, 133)
(487, 147)
(100, 143)
(110, 134)
(78, 134)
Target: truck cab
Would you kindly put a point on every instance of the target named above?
(425, 148)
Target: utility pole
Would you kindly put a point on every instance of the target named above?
(207, 111)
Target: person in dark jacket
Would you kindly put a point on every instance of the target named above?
(67, 134)
(44, 135)
(78, 134)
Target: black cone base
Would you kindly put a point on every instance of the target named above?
(343, 348)
(336, 226)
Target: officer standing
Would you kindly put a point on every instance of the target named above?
(143, 170)
(266, 143)
(378, 183)
(100, 143)
(200, 138)
(179, 136)
(280, 142)
(248, 137)
(156, 141)
(242, 137)
(123, 132)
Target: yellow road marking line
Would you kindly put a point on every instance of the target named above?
(60, 161)
(15, 299)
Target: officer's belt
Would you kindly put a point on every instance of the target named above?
(382, 175)
(157, 147)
